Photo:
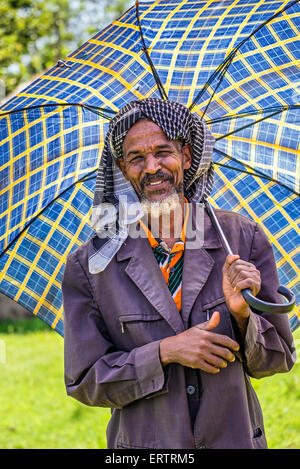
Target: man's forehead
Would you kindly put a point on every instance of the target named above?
(142, 126)
(145, 132)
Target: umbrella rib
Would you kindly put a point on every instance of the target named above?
(159, 84)
(222, 68)
(251, 113)
(278, 111)
(97, 110)
(268, 178)
(86, 177)
(253, 172)
(225, 68)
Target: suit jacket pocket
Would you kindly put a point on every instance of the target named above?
(142, 328)
(259, 439)
(225, 325)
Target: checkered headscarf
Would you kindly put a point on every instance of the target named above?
(116, 205)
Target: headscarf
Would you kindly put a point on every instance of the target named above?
(116, 205)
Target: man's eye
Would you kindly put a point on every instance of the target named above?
(163, 154)
(136, 159)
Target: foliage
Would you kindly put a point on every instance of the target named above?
(37, 413)
(36, 33)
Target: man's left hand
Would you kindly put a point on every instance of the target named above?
(238, 275)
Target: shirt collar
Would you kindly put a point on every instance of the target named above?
(157, 241)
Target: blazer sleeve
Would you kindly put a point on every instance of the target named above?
(268, 346)
(96, 373)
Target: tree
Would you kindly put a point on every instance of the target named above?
(36, 33)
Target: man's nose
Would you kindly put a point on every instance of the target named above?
(152, 164)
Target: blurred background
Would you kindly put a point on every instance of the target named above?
(34, 409)
(35, 34)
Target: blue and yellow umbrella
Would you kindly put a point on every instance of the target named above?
(235, 63)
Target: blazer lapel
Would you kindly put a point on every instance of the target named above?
(144, 271)
(197, 264)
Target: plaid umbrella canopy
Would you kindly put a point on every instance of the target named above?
(233, 62)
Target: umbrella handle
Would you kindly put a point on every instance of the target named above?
(257, 304)
(266, 307)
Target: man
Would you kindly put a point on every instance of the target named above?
(156, 327)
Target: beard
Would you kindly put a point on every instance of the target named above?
(159, 214)
(161, 207)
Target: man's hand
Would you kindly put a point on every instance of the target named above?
(238, 275)
(199, 347)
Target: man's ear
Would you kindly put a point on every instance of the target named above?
(187, 156)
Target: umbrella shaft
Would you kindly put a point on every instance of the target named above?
(217, 226)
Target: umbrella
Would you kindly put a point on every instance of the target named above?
(233, 62)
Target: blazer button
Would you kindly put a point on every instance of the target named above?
(190, 390)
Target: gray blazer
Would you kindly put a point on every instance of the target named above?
(115, 320)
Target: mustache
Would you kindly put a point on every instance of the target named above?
(160, 174)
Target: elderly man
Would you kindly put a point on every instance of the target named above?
(156, 327)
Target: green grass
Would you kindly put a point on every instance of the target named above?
(279, 397)
(35, 412)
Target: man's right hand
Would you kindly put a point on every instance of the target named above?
(199, 347)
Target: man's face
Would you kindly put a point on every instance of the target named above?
(153, 164)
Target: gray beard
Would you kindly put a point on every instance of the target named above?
(161, 207)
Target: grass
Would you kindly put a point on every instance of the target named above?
(279, 397)
(35, 412)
